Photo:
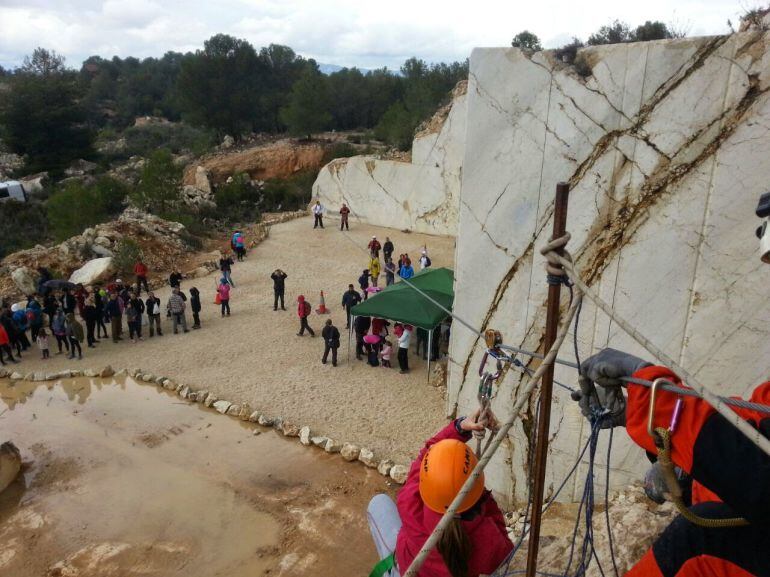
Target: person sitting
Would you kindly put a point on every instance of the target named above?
(476, 542)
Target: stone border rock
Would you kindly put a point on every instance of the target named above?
(243, 411)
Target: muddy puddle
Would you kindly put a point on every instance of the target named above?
(122, 479)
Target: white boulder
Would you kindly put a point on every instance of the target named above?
(399, 473)
(304, 435)
(96, 270)
(25, 280)
(350, 451)
(366, 456)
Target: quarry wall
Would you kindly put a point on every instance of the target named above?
(666, 146)
(421, 195)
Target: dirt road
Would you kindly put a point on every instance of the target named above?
(255, 356)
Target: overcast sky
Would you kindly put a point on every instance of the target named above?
(361, 33)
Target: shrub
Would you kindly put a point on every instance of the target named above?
(293, 193)
(22, 225)
(125, 255)
(77, 206)
(237, 201)
(178, 138)
(159, 186)
(340, 150)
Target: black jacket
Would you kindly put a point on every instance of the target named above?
(68, 303)
(331, 336)
(278, 281)
(195, 300)
(89, 313)
(113, 309)
(225, 264)
(350, 299)
(152, 306)
(387, 248)
(175, 279)
(362, 325)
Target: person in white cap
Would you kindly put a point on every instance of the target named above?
(374, 247)
(424, 259)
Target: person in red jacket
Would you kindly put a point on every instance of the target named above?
(303, 312)
(140, 270)
(731, 475)
(475, 543)
(5, 346)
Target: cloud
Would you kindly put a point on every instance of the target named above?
(343, 32)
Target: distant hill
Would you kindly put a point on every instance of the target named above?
(331, 68)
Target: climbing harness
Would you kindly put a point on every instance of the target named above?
(662, 439)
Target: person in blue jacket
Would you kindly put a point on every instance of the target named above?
(407, 271)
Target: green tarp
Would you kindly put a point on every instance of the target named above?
(400, 302)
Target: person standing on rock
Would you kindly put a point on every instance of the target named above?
(90, 315)
(134, 312)
(331, 336)
(318, 213)
(195, 307)
(387, 249)
(223, 290)
(226, 266)
(140, 270)
(344, 212)
(152, 306)
(177, 306)
(74, 336)
(350, 299)
(303, 312)
(279, 288)
(115, 314)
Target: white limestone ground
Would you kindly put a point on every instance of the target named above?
(421, 195)
(665, 146)
(255, 356)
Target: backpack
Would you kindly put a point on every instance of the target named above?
(306, 308)
(427, 261)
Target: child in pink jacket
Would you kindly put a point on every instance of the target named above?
(223, 290)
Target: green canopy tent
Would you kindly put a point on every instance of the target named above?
(400, 302)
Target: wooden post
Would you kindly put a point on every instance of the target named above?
(551, 328)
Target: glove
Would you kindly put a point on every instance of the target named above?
(606, 403)
(606, 367)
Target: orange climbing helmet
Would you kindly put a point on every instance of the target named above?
(443, 471)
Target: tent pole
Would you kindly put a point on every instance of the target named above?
(430, 351)
(350, 331)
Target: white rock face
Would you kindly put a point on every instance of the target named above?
(93, 271)
(421, 195)
(665, 146)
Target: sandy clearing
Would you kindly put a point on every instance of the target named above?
(255, 356)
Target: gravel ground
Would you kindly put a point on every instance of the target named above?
(255, 356)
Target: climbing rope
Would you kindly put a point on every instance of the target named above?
(501, 435)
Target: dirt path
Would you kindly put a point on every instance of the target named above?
(124, 480)
(255, 356)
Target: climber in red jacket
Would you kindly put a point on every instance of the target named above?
(731, 475)
(475, 543)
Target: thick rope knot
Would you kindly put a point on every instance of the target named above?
(553, 266)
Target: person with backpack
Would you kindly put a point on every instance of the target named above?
(152, 306)
(239, 245)
(223, 291)
(279, 288)
(225, 265)
(331, 337)
(303, 312)
(195, 306)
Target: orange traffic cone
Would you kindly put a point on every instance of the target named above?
(322, 310)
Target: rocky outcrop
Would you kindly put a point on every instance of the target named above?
(161, 241)
(665, 148)
(275, 160)
(421, 195)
